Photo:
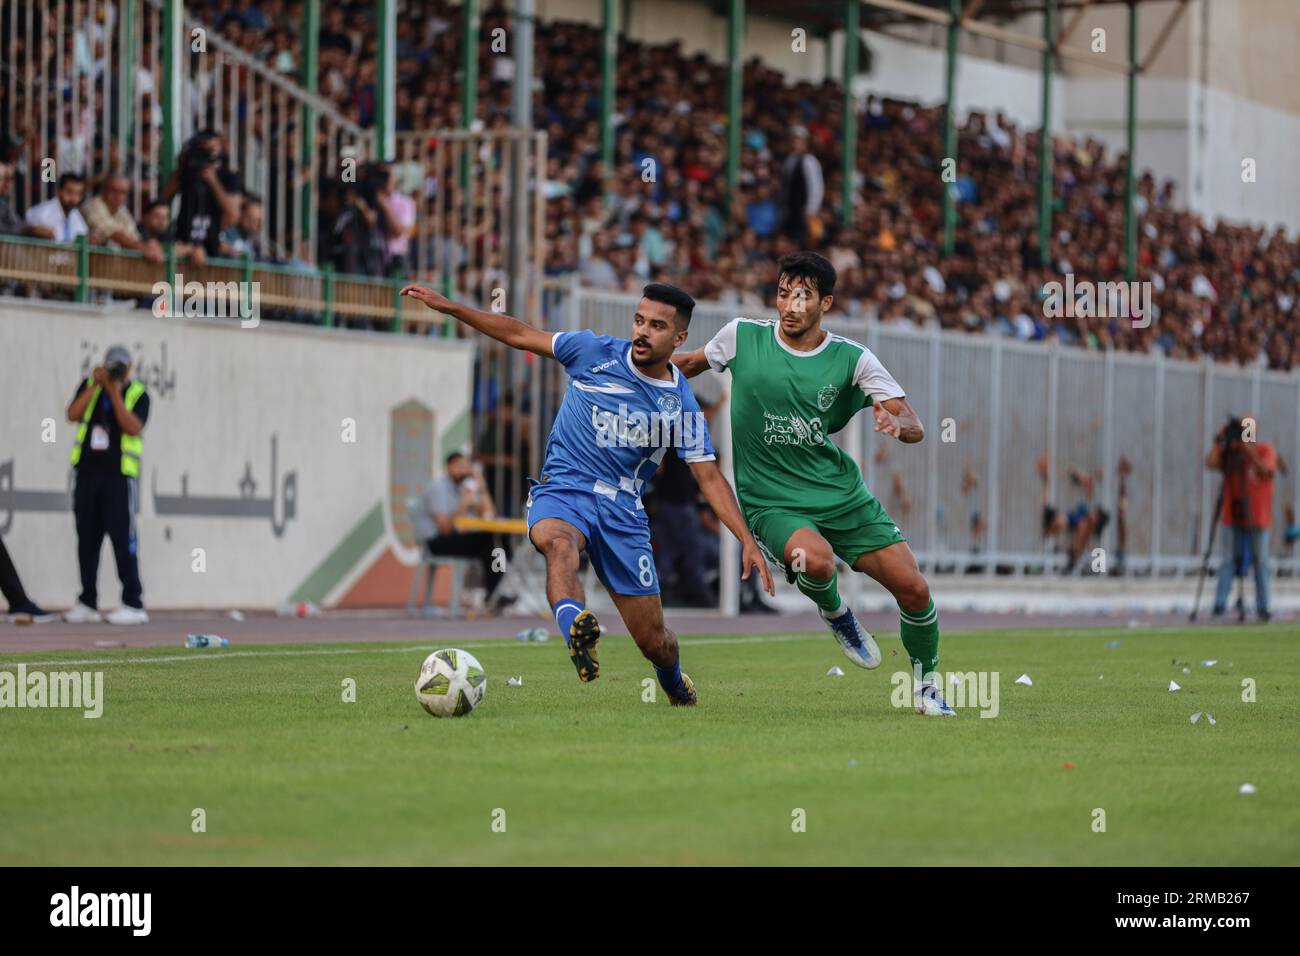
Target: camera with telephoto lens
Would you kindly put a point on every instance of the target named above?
(116, 370)
(1232, 431)
(195, 157)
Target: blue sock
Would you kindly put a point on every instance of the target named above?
(670, 678)
(565, 610)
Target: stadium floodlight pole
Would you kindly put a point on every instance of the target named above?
(1130, 176)
(386, 82)
(468, 81)
(608, 82)
(521, 144)
(173, 15)
(1045, 137)
(950, 126)
(849, 114)
(735, 76)
(307, 121)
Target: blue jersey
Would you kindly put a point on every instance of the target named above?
(616, 424)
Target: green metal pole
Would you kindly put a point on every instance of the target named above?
(1045, 146)
(848, 115)
(469, 80)
(126, 102)
(395, 286)
(386, 81)
(608, 82)
(327, 294)
(950, 128)
(307, 122)
(83, 268)
(169, 264)
(1130, 178)
(173, 68)
(735, 74)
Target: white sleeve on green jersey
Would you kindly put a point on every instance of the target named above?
(722, 347)
(874, 379)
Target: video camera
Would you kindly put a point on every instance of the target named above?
(1232, 432)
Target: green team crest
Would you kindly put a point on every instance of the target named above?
(826, 396)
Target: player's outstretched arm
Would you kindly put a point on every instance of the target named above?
(691, 364)
(718, 494)
(896, 417)
(516, 334)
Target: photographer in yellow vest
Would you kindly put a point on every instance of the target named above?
(110, 411)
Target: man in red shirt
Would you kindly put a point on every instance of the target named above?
(1248, 467)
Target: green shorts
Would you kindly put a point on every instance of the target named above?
(851, 534)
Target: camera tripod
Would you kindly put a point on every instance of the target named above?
(1238, 562)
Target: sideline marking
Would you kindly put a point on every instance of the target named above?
(199, 655)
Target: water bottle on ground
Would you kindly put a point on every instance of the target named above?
(205, 640)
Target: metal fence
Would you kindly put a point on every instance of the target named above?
(1005, 404)
(81, 84)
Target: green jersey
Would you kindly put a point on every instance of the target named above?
(785, 405)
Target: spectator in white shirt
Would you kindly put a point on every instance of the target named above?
(60, 215)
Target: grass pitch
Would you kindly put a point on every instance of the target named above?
(288, 773)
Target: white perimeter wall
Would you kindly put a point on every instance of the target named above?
(233, 390)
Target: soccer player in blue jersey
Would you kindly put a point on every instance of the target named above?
(625, 408)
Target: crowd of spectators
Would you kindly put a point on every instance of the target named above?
(661, 212)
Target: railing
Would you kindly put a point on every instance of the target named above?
(991, 408)
(92, 273)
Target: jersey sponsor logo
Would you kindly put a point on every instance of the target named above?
(792, 430)
(826, 396)
(639, 429)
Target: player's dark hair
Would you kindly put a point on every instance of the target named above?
(452, 457)
(813, 269)
(671, 295)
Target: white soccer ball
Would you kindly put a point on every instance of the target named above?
(451, 683)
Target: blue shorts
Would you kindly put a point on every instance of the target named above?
(618, 540)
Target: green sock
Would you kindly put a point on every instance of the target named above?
(920, 633)
(825, 594)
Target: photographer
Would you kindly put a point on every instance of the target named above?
(1248, 468)
(111, 410)
(209, 192)
(364, 224)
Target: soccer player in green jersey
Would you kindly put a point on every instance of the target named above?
(794, 384)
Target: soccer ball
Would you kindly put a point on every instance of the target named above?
(451, 683)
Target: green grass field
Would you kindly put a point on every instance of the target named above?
(260, 739)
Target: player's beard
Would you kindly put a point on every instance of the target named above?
(648, 359)
(809, 320)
